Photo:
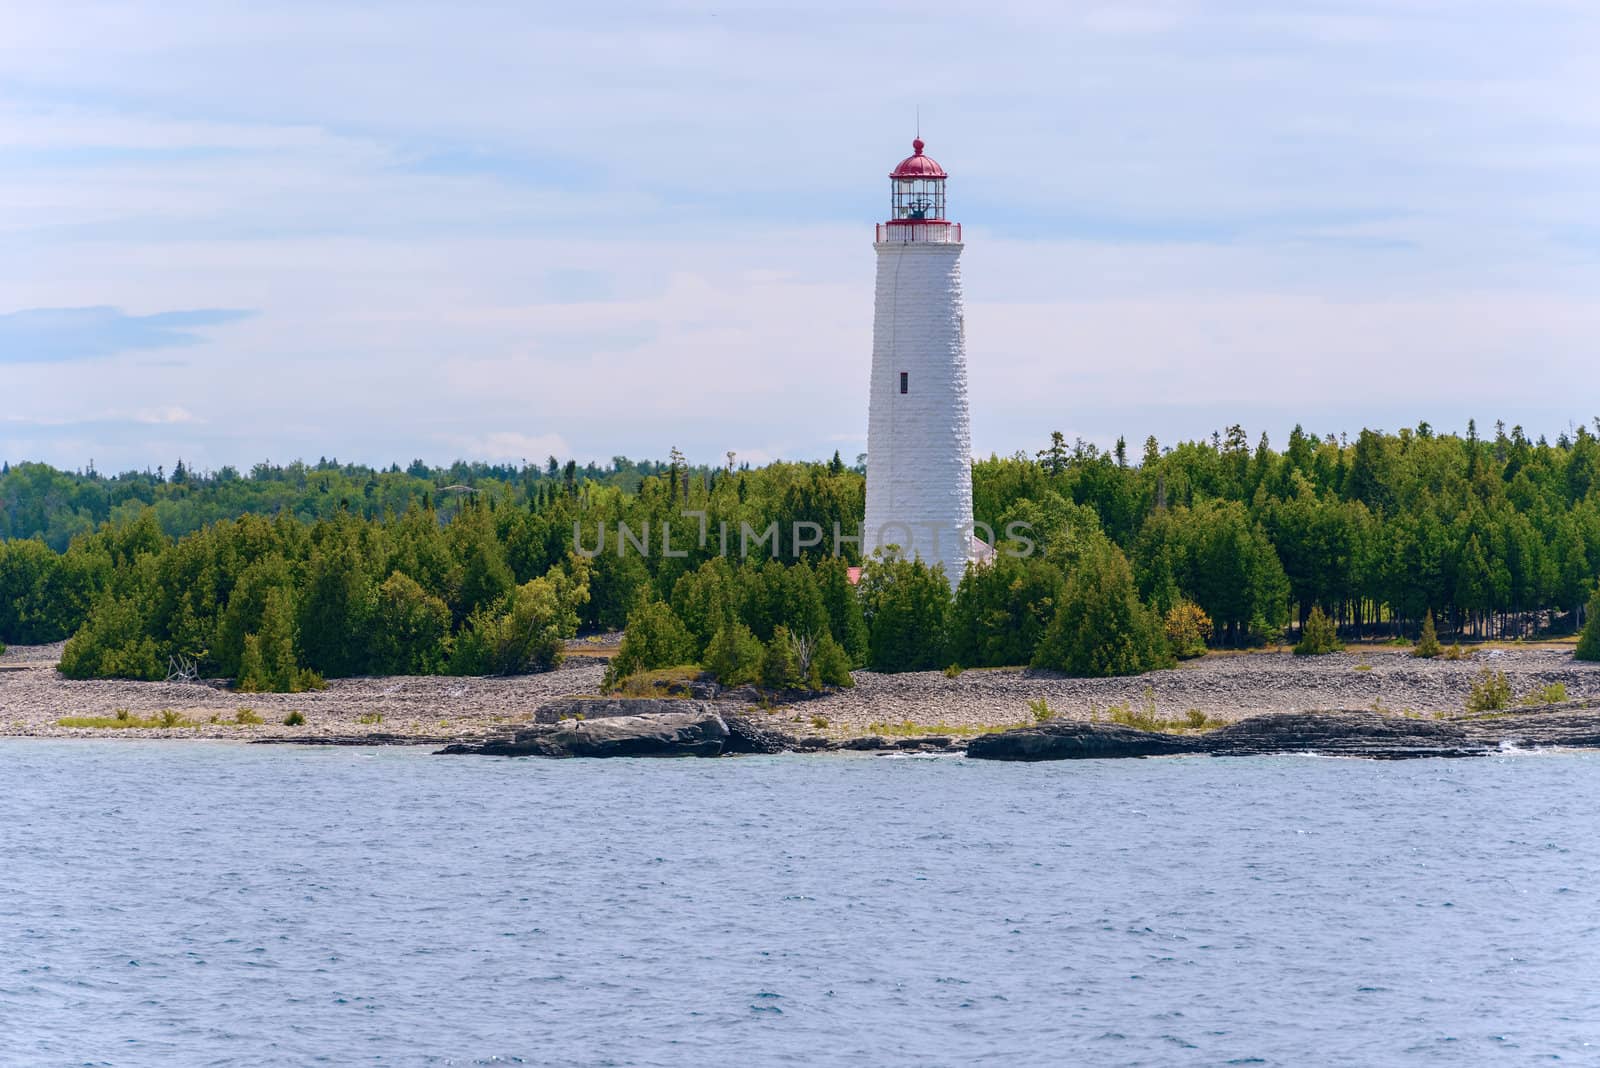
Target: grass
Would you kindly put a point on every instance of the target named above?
(370, 717)
(662, 682)
(247, 717)
(907, 729)
(1363, 667)
(166, 719)
(1553, 694)
(1145, 718)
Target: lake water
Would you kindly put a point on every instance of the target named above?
(220, 904)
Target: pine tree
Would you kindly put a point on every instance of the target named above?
(1589, 641)
(1428, 645)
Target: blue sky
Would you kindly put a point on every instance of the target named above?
(234, 232)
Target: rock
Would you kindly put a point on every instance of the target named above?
(864, 744)
(1342, 733)
(704, 690)
(1076, 740)
(586, 708)
(813, 743)
(668, 734)
(747, 735)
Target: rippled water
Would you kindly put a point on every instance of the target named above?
(189, 903)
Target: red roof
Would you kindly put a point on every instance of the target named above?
(917, 165)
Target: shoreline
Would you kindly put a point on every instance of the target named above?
(443, 710)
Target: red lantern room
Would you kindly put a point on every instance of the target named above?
(916, 203)
(918, 188)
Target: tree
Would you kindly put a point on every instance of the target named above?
(269, 663)
(1589, 641)
(1428, 644)
(1002, 610)
(1101, 628)
(113, 643)
(1187, 628)
(907, 608)
(734, 656)
(1318, 636)
(655, 638)
(410, 629)
(531, 634)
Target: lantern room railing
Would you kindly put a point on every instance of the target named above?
(918, 232)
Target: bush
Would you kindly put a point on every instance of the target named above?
(1187, 628)
(531, 636)
(831, 664)
(782, 667)
(734, 655)
(1491, 692)
(113, 643)
(907, 607)
(655, 638)
(268, 664)
(1101, 628)
(1042, 713)
(1428, 645)
(1002, 610)
(1589, 641)
(1319, 636)
(247, 717)
(1553, 694)
(295, 719)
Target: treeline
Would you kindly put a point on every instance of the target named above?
(1134, 559)
(39, 501)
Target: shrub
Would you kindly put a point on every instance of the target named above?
(734, 655)
(1589, 641)
(1491, 692)
(1041, 710)
(1101, 628)
(1428, 644)
(1002, 609)
(831, 664)
(1319, 636)
(113, 643)
(781, 667)
(1455, 652)
(294, 719)
(1552, 694)
(953, 671)
(531, 635)
(1187, 628)
(655, 638)
(907, 606)
(247, 717)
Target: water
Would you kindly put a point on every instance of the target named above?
(192, 903)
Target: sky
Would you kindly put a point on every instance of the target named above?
(235, 232)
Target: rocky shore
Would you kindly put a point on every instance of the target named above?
(1419, 703)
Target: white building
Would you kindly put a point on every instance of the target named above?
(919, 463)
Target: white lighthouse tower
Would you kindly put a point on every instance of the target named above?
(919, 461)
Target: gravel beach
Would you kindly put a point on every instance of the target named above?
(432, 709)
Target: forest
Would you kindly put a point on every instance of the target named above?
(292, 574)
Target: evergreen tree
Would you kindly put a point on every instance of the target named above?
(1589, 641)
(1428, 644)
(1101, 628)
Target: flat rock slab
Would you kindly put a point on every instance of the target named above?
(1335, 733)
(586, 708)
(671, 734)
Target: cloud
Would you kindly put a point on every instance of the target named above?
(50, 335)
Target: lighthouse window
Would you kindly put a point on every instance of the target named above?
(903, 381)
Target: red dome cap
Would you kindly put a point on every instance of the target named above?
(917, 165)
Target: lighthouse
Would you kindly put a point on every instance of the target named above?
(919, 465)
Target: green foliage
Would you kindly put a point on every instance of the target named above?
(735, 656)
(1146, 718)
(1491, 692)
(781, 667)
(1042, 712)
(113, 643)
(830, 664)
(530, 636)
(655, 638)
(907, 606)
(269, 663)
(247, 717)
(1589, 641)
(1552, 694)
(1319, 636)
(295, 719)
(410, 629)
(1002, 610)
(166, 719)
(1101, 628)
(1428, 645)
